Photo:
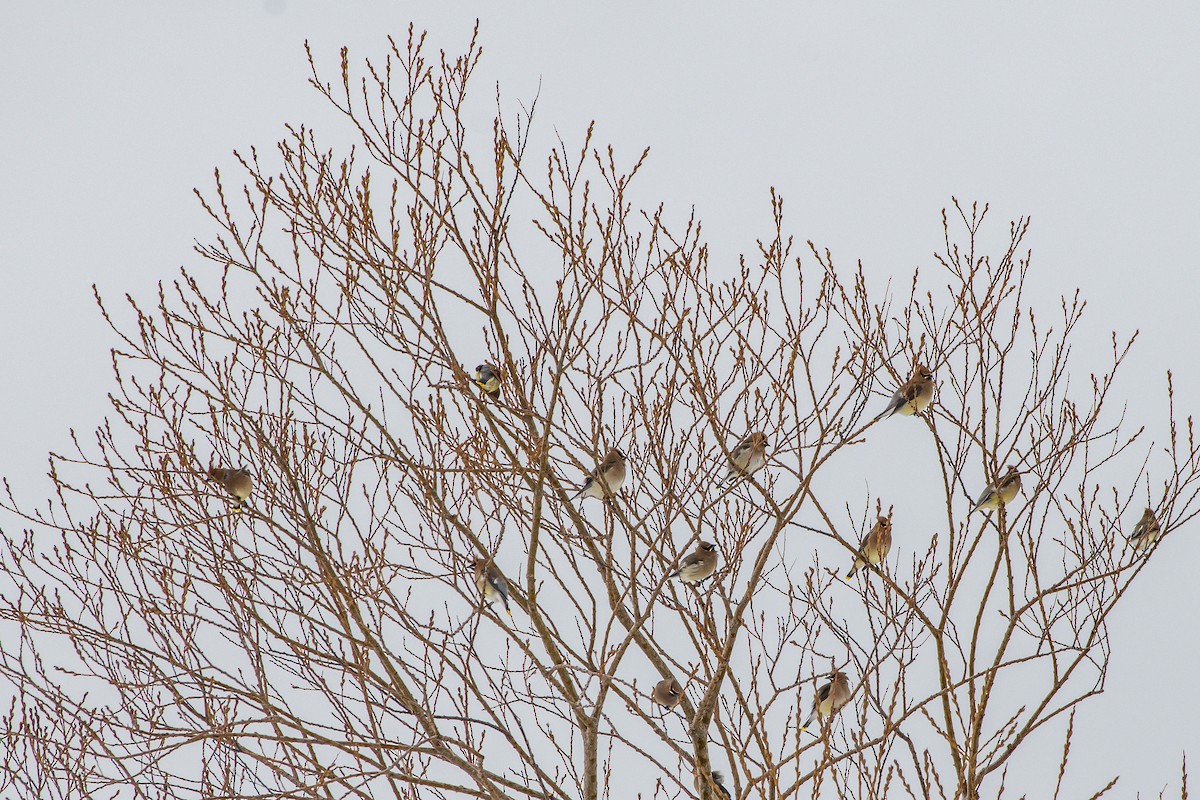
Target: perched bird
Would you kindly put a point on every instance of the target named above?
(667, 693)
(829, 698)
(606, 478)
(875, 545)
(487, 377)
(718, 780)
(913, 397)
(491, 583)
(748, 456)
(697, 565)
(238, 483)
(1146, 532)
(999, 493)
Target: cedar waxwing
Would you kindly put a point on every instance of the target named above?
(718, 780)
(913, 397)
(829, 698)
(750, 455)
(1146, 532)
(238, 483)
(1000, 493)
(487, 377)
(667, 693)
(697, 565)
(491, 583)
(606, 478)
(875, 545)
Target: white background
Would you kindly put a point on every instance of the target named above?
(867, 118)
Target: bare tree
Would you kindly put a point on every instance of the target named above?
(342, 630)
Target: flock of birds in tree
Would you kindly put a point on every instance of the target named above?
(747, 457)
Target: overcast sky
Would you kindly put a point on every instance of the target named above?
(866, 117)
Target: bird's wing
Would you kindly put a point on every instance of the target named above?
(909, 391)
(866, 540)
(608, 465)
(893, 404)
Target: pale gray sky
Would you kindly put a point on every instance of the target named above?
(865, 116)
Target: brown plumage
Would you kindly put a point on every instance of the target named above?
(697, 565)
(667, 693)
(607, 477)
(875, 545)
(487, 378)
(1146, 532)
(829, 698)
(237, 483)
(913, 397)
(999, 493)
(747, 457)
(491, 583)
